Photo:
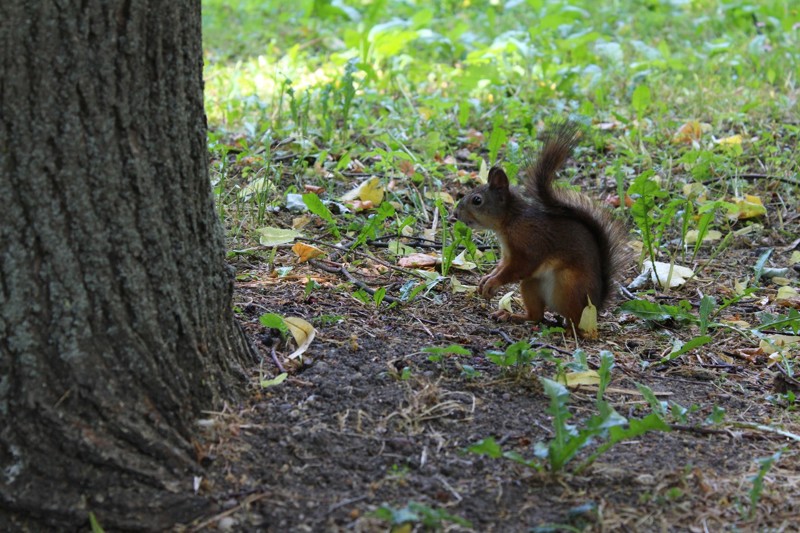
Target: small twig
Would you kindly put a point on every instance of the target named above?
(342, 503)
(358, 283)
(428, 331)
(503, 334)
(247, 501)
(551, 347)
(753, 177)
(362, 254)
(701, 430)
(421, 242)
(341, 269)
(767, 429)
(276, 360)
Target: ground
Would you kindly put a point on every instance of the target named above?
(367, 421)
(688, 108)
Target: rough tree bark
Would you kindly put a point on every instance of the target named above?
(115, 319)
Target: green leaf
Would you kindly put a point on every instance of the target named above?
(452, 349)
(656, 405)
(654, 312)
(641, 99)
(379, 295)
(316, 206)
(687, 347)
(496, 140)
(487, 446)
(95, 525)
(759, 268)
(271, 320)
(277, 380)
(707, 305)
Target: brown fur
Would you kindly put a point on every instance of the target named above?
(558, 244)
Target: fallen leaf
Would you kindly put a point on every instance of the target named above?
(271, 236)
(300, 222)
(695, 191)
(737, 323)
(398, 248)
(406, 167)
(504, 304)
(460, 287)
(675, 275)
(418, 261)
(369, 190)
(260, 185)
(303, 334)
(732, 140)
(795, 258)
(689, 132)
(588, 322)
(710, 236)
(460, 262)
(577, 379)
(277, 380)
(316, 189)
(306, 251)
(773, 343)
(440, 195)
(749, 207)
(358, 205)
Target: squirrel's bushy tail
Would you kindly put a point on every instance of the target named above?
(611, 236)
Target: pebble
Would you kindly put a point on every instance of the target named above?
(226, 523)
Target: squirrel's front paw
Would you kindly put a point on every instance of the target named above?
(488, 286)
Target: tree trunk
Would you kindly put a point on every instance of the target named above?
(116, 327)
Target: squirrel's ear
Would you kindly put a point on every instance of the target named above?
(497, 178)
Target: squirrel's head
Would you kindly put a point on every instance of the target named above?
(485, 207)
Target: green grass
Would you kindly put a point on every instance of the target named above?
(319, 93)
(417, 80)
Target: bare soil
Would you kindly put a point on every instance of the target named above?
(350, 431)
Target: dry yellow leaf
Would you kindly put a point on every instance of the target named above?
(750, 207)
(369, 190)
(695, 191)
(300, 222)
(504, 304)
(688, 133)
(732, 140)
(303, 334)
(578, 379)
(305, 252)
(711, 235)
(440, 195)
(588, 323)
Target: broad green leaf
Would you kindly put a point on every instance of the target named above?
(270, 236)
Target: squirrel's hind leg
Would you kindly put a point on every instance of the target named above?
(571, 295)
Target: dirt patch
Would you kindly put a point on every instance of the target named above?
(352, 431)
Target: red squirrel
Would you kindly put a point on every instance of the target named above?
(562, 248)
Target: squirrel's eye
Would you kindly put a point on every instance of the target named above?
(477, 200)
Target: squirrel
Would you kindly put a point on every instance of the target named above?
(562, 248)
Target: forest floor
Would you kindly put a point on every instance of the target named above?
(416, 416)
(368, 433)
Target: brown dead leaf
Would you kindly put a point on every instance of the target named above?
(316, 189)
(305, 251)
(475, 138)
(691, 131)
(418, 261)
(358, 205)
(406, 167)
